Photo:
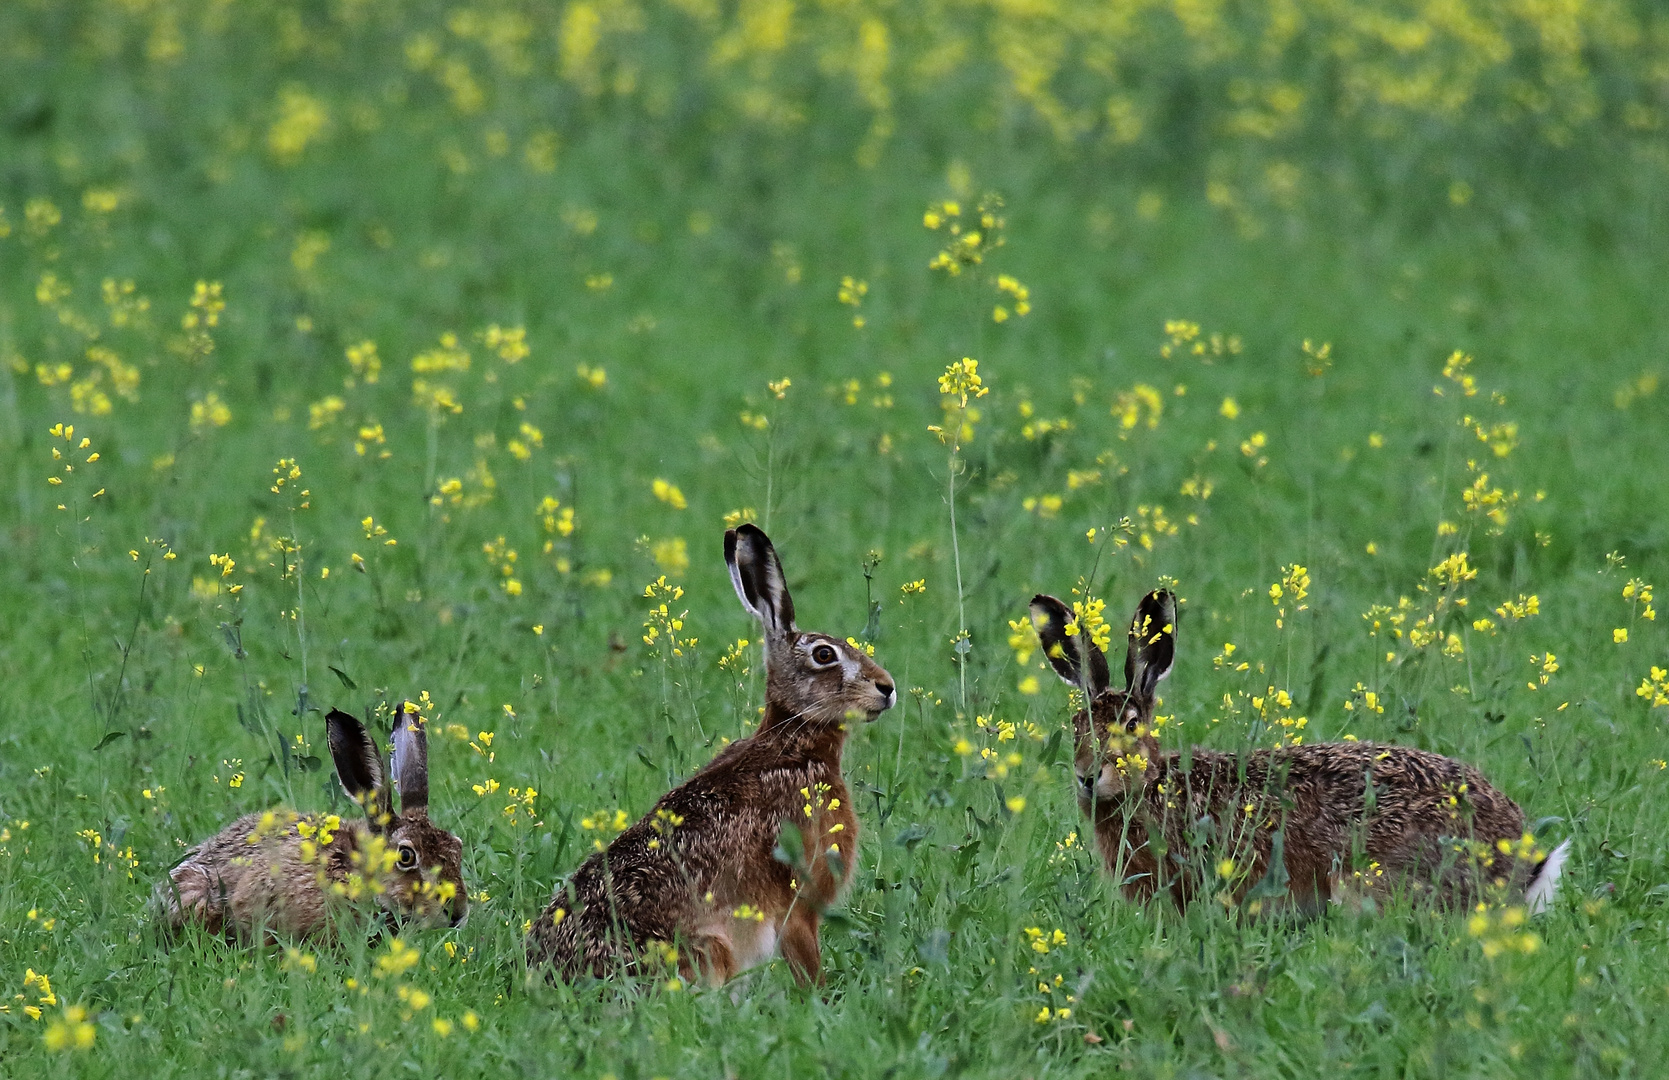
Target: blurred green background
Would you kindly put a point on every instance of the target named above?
(516, 287)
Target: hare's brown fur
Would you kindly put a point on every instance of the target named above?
(256, 873)
(1431, 816)
(1348, 817)
(280, 873)
(698, 871)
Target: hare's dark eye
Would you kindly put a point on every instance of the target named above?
(823, 654)
(408, 857)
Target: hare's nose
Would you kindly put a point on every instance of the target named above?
(885, 689)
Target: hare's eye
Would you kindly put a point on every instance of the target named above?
(823, 654)
(408, 856)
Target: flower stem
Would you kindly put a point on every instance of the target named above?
(956, 559)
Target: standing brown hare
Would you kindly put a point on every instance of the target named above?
(283, 873)
(739, 862)
(1339, 818)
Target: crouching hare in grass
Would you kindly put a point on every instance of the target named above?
(1337, 819)
(740, 861)
(284, 873)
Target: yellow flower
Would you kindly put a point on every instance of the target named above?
(302, 119)
(209, 412)
(669, 494)
(70, 1031)
(414, 997)
(961, 381)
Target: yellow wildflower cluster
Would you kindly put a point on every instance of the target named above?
(668, 493)
(1639, 595)
(1293, 589)
(522, 802)
(302, 119)
(1011, 286)
(1369, 700)
(968, 241)
(1043, 941)
(1184, 338)
(1502, 930)
(1033, 428)
(316, 834)
(661, 623)
(399, 958)
(1047, 505)
(1141, 403)
(1492, 503)
(959, 385)
(1023, 639)
(1454, 370)
(734, 659)
(502, 556)
(663, 823)
(71, 1030)
(510, 344)
(38, 984)
(1453, 572)
(64, 465)
(851, 293)
(880, 386)
(1088, 618)
(1274, 710)
(364, 363)
(606, 823)
(558, 522)
(1654, 688)
(1545, 665)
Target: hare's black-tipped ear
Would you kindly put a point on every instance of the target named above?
(1051, 618)
(358, 764)
(757, 574)
(410, 763)
(1152, 643)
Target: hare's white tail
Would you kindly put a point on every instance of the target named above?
(1538, 896)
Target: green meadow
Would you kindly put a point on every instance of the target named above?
(353, 353)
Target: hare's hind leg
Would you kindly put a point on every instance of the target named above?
(193, 894)
(800, 946)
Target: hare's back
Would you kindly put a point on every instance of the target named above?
(1397, 792)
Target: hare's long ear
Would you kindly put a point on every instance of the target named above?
(1152, 643)
(757, 574)
(1066, 652)
(410, 762)
(358, 765)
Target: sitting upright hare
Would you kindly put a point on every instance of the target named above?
(283, 872)
(741, 860)
(1340, 817)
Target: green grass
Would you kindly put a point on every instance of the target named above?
(120, 683)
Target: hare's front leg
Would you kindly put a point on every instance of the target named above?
(800, 946)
